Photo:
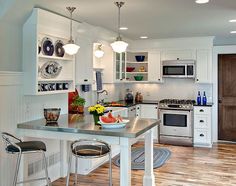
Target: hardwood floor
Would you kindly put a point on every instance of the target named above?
(187, 167)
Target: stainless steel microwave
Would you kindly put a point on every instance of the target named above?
(178, 68)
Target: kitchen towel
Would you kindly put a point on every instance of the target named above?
(99, 80)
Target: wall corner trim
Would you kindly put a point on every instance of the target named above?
(9, 78)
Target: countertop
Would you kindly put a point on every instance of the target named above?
(207, 105)
(124, 104)
(73, 123)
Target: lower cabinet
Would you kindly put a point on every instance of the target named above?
(202, 127)
(149, 111)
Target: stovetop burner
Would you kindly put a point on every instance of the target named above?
(177, 104)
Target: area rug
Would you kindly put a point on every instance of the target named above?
(160, 156)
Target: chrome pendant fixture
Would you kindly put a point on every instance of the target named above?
(119, 45)
(71, 48)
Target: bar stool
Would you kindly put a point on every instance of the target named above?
(88, 149)
(15, 145)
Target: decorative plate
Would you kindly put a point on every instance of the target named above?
(114, 125)
(50, 69)
(47, 46)
(59, 50)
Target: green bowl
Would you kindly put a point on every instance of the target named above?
(138, 78)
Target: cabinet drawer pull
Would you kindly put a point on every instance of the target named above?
(85, 80)
(201, 121)
(201, 135)
(201, 110)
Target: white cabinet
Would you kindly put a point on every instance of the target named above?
(202, 127)
(204, 66)
(154, 67)
(46, 69)
(149, 111)
(84, 62)
(183, 54)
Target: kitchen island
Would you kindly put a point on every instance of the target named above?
(84, 128)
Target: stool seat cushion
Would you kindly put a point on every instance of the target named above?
(27, 146)
(90, 150)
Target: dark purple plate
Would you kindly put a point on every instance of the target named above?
(47, 46)
(59, 50)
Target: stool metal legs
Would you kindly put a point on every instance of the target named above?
(46, 169)
(17, 169)
(26, 181)
(110, 169)
(76, 169)
(68, 169)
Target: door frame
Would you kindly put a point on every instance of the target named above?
(230, 49)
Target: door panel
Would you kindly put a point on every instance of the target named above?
(227, 97)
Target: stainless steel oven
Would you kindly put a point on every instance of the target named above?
(176, 123)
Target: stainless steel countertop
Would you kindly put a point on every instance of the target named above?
(73, 123)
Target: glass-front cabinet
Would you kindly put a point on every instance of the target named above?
(120, 66)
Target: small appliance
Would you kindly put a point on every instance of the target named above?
(129, 97)
(178, 69)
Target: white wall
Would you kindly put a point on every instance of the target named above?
(15, 108)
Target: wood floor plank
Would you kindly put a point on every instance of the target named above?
(187, 166)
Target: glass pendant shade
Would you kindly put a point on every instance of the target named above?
(71, 48)
(99, 52)
(119, 46)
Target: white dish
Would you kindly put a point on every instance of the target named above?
(114, 125)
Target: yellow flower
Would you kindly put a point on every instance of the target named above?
(96, 109)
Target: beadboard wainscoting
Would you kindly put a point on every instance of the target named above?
(15, 108)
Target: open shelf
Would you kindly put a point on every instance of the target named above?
(55, 57)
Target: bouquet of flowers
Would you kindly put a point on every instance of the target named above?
(97, 109)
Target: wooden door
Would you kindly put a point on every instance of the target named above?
(227, 97)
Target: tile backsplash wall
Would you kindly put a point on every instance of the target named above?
(171, 88)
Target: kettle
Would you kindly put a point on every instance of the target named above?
(129, 98)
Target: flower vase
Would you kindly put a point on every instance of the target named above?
(96, 119)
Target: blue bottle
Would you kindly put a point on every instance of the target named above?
(199, 99)
(204, 99)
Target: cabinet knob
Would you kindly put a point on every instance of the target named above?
(155, 107)
(197, 79)
(138, 108)
(177, 58)
(201, 110)
(159, 79)
(201, 135)
(201, 121)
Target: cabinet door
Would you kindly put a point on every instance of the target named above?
(120, 66)
(154, 66)
(204, 66)
(148, 111)
(107, 62)
(178, 54)
(84, 62)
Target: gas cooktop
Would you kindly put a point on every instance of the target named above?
(176, 104)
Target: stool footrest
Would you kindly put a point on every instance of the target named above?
(32, 180)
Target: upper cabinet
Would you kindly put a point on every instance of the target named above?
(204, 66)
(154, 66)
(184, 54)
(84, 61)
(47, 69)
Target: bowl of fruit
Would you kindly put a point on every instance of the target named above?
(51, 114)
(112, 122)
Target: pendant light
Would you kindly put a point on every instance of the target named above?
(119, 46)
(99, 52)
(71, 48)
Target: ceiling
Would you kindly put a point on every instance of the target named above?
(153, 18)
